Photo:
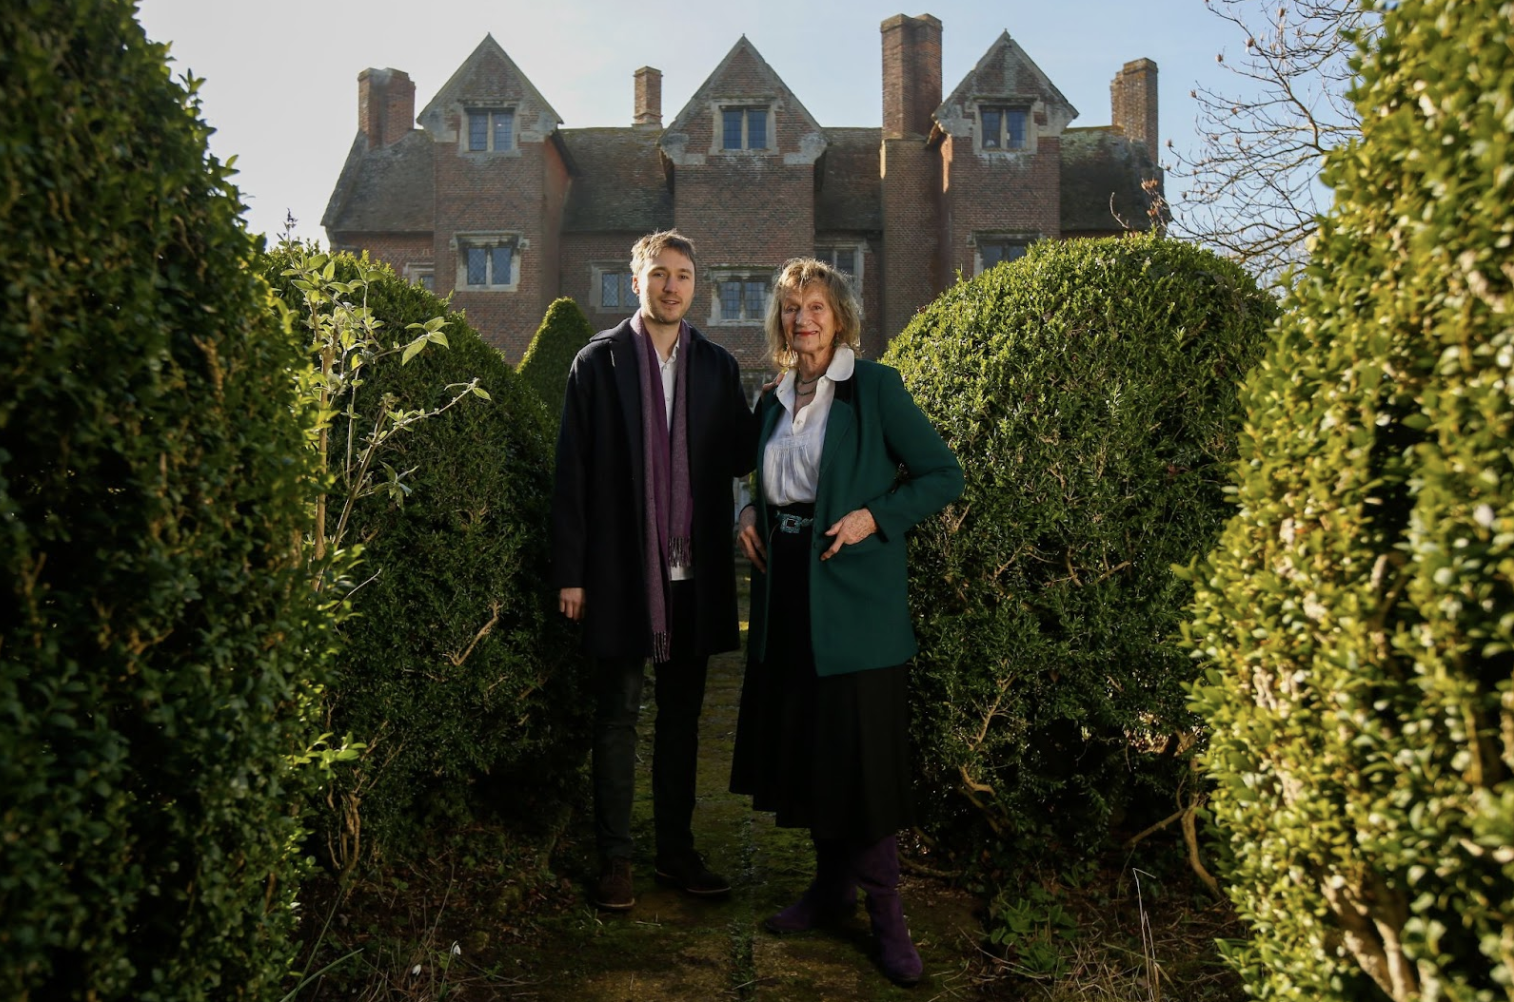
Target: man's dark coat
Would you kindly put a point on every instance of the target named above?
(598, 506)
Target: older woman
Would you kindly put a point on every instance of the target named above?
(846, 464)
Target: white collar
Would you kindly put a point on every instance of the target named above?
(843, 363)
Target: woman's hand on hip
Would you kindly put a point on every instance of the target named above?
(854, 527)
(751, 540)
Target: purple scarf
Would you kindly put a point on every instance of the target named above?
(668, 498)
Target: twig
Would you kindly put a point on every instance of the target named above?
(458, 659)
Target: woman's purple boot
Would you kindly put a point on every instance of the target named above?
(877, 870)
(830, 897)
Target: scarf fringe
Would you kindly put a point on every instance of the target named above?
(662, 649)
(680, 551)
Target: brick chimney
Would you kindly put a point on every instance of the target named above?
(385, 106)
(1133, 102)
(648, 97)
(911, 74)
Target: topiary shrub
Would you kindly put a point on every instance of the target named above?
(1357, 616)
(563, 331)
(156, 623)
(1089, 391)
(455, 669)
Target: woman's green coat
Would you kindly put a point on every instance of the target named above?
(881, 453)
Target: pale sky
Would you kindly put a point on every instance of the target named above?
(281, 75)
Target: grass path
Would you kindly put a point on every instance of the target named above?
(673, 947)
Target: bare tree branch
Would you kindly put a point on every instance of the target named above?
(1254, 181)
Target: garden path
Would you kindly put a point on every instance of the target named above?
(672, 947)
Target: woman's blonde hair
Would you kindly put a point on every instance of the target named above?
(797, 274)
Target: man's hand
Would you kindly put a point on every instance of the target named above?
(570, 602)
(854, 527)
(751, 540)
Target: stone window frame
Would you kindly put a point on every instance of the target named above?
(750, 278)
(1004, 107)
(422, 274)
(463, 242)
(465, 130)
(748, 105)
(597, 272)
(1013, 238)
(826, 251)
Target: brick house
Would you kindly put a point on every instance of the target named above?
(491, 200)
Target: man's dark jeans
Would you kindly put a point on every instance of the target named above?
(679, 685)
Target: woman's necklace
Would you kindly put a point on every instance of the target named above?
(803, 385)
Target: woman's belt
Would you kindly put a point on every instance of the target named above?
(792, 518)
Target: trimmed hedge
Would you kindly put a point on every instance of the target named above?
(156, 624)
(1089, 390)
(563, 331)
(1357, 616)
(456, 668)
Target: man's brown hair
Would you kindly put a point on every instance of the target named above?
(653, 244)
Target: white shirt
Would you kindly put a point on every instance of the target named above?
(669, 369)
(791, 461)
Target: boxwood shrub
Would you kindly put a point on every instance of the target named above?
(455, 668)
(564, 329)
(1356, 618)
(1089, 390)
(156, 625)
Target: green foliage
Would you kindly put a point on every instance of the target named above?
(563, 331)
(1357, 615)
(1089, 390)
(456, 671)
(159, 642)
(1034, 929)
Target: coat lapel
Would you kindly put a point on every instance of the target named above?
(628, 389)
(841, 426)
(696, 389)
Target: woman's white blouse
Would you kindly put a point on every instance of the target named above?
(791, 461)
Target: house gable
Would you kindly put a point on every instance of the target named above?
(743, 81)
(1005, 77)
(489, 79)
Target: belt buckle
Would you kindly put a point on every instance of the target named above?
(791, 523)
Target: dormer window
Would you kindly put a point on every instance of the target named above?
(744, 128)
(491, 131)
(1003, 128)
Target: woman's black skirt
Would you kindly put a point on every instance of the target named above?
(830, 754)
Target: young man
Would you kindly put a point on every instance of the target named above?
(655, 426)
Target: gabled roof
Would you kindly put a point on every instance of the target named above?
(851, 189)
(618, 183)
(744, 74)
(1006, 73)
(1102, 171)
(388, 190)
(491, 75)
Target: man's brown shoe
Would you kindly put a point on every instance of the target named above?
(614, 892)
